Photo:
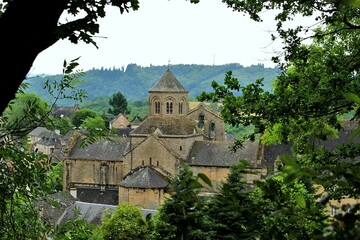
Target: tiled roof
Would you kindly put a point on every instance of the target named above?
(103, 149)
(174, 125)
(136, 121)
(38, 132)
(168, 83)
(218, 154)
(64, 111)
(50, 138)
(145, 177)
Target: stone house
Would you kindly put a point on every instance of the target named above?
(120, 121)
(137, 168)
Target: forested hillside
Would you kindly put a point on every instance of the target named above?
(134, 80)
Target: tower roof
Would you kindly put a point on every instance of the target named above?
(168, 83)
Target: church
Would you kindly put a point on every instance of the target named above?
(137, 168)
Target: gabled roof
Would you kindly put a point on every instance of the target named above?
(203, 106)
(218, 154)
(155, 137)
(169, 125)
(168, 83)
(145, 177)
(50, 138)
(118, 116)
(102, 149)
(38, 132)
(136, 121)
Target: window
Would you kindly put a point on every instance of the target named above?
(181, 107)
(201, 121)
(180, 148)
(150, 161)
(212, 129)
(169, 108)
(157, 107)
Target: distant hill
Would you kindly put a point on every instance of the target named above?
(134, 81)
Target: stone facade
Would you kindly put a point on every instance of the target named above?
(120, 122)
(140, 165)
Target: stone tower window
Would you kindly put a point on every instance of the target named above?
(169, 108)
(181, 107)
(157, 107)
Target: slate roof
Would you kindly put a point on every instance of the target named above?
(135, 122)
(38, 132)
(53, 209)
(50, 138)
(103, 149)
(169, 125)
(95, 195)
(64, 111)
(63, 207)
(218, 154)
(144, 177)
(168, 83)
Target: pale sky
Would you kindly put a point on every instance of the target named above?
(168, 30)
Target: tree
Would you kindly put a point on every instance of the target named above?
(180, 216)
(316, 86)
(126, 223)
(119, 104)
(231, 210)
(95, 123)
(42, 29)
(81, 115)
(25, 112)
(23, 178)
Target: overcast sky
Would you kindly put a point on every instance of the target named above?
(168, 30)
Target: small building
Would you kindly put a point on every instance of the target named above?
(119, 122)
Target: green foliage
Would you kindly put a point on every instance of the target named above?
(22, 178)
(118, 103)
(55, 178)
(25, 176)
(127, 222)
(80, 116)
(181, 217)
(286, 210)
(93, 123)
(100, 105)
(63, 124)
(231, 210)
(135, 81)
(25, 112)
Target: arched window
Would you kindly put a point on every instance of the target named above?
(181, 107)
(169, 108)
(201, 123)
(157, 107)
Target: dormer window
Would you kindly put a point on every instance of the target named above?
(169, 108)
